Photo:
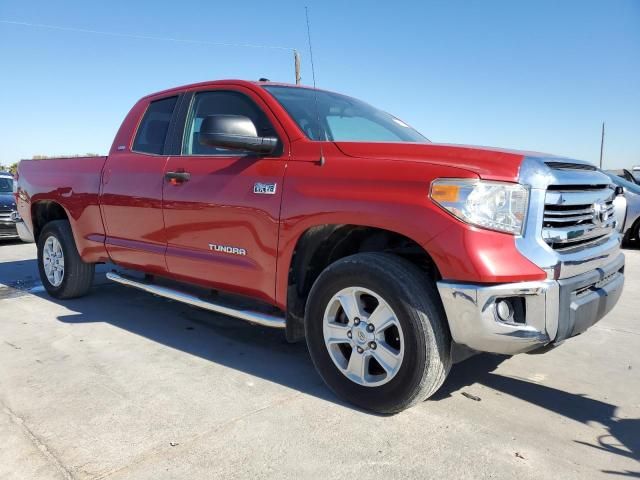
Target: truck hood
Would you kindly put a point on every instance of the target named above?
(487, 162)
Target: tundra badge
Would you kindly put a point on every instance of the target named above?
(264, 188)
(227, 249)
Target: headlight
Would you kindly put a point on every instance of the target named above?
(497, 206)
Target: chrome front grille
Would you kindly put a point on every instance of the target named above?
(577, 215)
(5, 217)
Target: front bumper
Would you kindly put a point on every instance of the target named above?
(553, 309)
(23, 232)
(8, 230)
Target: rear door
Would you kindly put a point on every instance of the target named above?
(131, 197)
(222, 223)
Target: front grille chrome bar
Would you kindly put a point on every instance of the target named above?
(565, 235)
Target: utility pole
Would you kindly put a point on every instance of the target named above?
(296, 62)
(601, 145)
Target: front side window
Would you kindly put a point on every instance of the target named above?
(6, 185)
(330, 116)
(221, 103)
(153, 129)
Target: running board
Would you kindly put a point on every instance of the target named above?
(258, 318)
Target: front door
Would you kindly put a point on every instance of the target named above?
(221, 207)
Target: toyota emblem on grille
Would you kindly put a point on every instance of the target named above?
(600, 213)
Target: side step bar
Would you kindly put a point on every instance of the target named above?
(259, 318)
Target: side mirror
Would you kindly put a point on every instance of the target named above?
(234, 132)
(619, 190)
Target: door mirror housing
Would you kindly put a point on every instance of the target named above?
(235, 132)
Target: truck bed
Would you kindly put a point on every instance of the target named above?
(74, 183)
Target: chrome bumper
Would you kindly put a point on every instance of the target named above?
(8, 229)
(553, 309)
(23, 232)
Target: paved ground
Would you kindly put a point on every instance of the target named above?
(121, 384)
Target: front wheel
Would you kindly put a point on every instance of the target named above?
(62, 271)
(377, 333)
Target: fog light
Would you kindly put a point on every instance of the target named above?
(504, 310)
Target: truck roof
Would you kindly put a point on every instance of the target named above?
(225, 82)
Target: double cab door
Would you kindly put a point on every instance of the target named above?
(219, 208)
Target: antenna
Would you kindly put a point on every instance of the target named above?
(313, 75)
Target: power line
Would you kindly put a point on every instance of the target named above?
(142, 37)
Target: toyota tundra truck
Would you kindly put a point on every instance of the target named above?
(316, 213)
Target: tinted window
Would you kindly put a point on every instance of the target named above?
(154, 126)
(6, 185)
(221, 103)
(330, 116)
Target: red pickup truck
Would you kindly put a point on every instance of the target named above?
(340, 223)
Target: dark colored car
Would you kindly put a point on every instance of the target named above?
(8, 212)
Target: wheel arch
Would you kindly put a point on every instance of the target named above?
(321, 245)
(45, 211)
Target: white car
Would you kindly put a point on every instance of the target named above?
(628, 208)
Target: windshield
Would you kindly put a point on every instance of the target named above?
(6, 185)
(329, 116)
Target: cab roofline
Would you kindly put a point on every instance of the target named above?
(234, 82)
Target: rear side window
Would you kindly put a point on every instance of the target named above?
(153, 129)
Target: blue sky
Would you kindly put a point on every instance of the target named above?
(537, 75)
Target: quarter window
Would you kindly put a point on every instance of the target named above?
(153, 129)
(221, 103)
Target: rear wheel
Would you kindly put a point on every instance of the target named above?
(377, 333)
(62, 271)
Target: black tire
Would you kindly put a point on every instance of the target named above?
(632, 233)
(414, 299)
(78, 275)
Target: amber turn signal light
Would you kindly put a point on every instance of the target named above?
(445, 193)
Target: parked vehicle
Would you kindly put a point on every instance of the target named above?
(628, 208)
(624, 173)
(7, 207)
(341, 223)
